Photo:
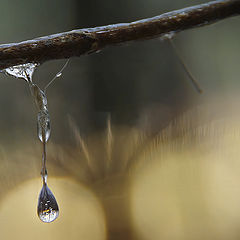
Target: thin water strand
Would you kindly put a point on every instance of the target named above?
(47, 208)
(194, 81)
(44, 175)
(44, 164)
(39, 96)
(23, 71)
(59, 74)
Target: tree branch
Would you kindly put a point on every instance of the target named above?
(90, 40)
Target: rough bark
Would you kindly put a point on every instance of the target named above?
(90, 40)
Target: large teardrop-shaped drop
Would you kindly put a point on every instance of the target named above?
(47, 205)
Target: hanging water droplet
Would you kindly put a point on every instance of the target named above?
(23, 71)
(47, 205)
(43, 126)
(59, 75)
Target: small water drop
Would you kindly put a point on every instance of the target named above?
(59, 75)
(23, 71)
(47, 208)
(43, 125)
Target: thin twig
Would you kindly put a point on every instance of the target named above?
(194, 81)
(90, 40)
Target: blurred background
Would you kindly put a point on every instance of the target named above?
(144, 156)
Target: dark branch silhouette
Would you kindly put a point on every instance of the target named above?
(90, 40)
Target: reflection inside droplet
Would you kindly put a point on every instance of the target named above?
(47, 205)
(43, 126)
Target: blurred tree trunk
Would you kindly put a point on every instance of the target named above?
(114, 197)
